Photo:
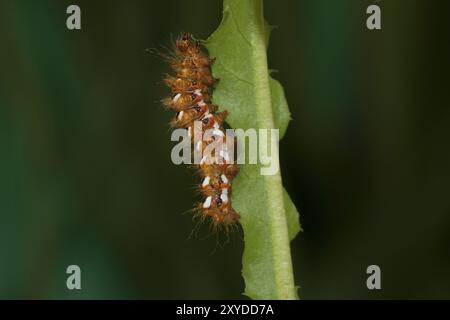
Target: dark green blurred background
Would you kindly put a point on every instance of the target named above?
(85, 167)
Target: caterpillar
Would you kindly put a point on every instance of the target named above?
(191, 86)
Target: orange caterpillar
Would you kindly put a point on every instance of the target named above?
(191, 88)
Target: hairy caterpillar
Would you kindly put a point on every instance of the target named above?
(191, 88)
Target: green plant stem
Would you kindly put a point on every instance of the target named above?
(278, 227)
(256, 101)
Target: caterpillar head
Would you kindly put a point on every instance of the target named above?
(184, 42)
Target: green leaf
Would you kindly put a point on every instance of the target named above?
(255, 100)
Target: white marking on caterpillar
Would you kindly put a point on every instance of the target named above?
(198, 92)
(218, 133)
(224, 195)
(224, 154)
(206, 181)
(201, 103)
(207, 202)
(180, 115)
(175, 99)
(216, 125)
(207, 115)
(190, 132)
(224, 178)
